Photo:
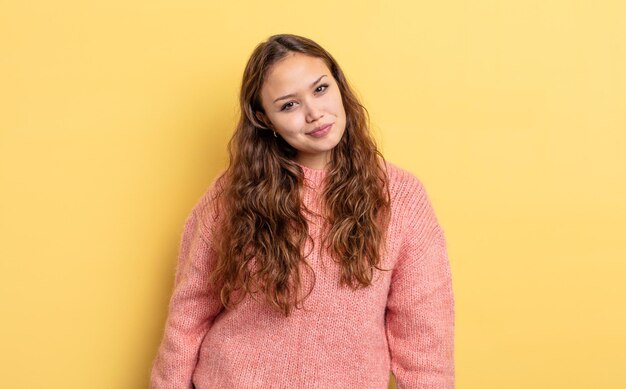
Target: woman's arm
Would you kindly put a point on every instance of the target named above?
(420, 305)
(192, 308)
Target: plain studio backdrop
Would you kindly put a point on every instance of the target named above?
(114, 118)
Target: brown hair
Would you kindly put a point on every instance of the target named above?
(261, 236)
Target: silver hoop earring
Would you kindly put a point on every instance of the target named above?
(275, 136)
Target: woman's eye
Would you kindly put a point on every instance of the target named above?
(286, 107)
(325, 86)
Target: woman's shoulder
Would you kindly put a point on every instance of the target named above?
(207, 207)
(409, 198)
(402, 181)
(212, 191)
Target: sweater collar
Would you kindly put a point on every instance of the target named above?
(314, 176)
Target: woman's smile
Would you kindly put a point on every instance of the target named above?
(318, 133)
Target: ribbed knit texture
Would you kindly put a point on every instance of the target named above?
(342, 338)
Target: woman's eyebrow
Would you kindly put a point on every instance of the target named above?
(294, 95)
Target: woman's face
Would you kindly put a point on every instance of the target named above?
(299, 97)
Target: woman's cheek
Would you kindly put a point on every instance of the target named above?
(336, 102)
(296, 123)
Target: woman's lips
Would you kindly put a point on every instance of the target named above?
(321, 132)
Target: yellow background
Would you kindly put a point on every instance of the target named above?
(114, 117)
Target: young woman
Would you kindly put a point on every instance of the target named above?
(311, 262)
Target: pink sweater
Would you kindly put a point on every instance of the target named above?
(343, 338)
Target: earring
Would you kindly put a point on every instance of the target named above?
(275, 136)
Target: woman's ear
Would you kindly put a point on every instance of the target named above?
(263, 119)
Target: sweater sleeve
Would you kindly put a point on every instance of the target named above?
(192, 308)
(420, 305)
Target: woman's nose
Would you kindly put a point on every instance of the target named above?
(313, 112)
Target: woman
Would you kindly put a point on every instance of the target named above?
(311, 261)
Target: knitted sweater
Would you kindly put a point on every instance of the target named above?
(403, 322)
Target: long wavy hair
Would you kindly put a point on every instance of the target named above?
(263, 229)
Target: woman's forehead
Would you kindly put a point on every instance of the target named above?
(296, 70)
